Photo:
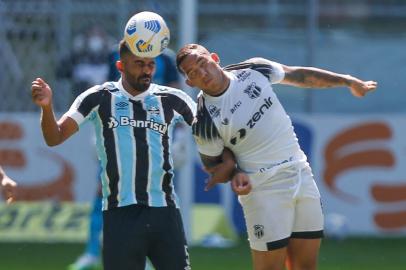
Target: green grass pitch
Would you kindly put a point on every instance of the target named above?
(350, 254)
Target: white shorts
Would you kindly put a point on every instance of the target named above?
(287, 206)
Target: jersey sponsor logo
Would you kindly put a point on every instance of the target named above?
(122, 105)
(243, 76)
(127, 121)
(236, 106)
(240, 135)
(276, 164)
(214, 111)
(259, 231)
(253, 91)
(153, 110)
(242, 132)
(258, 115)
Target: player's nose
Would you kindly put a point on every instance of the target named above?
(148, 70)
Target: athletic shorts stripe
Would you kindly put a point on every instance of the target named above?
(308, 235)
(297, 235)
(277, 244)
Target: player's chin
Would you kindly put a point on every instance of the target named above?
(142, 85)
(145, 86)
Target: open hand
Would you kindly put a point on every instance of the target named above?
(360, 88)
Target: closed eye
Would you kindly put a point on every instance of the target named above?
(200, 63)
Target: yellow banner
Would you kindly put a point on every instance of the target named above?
(44, 221)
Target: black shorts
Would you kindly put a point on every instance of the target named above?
(132, 233)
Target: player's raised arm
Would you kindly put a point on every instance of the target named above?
(310, 77)
(54, 132)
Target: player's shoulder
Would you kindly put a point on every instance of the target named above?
(107, 86)
(258, 61)
(167, 90)
(99, 90)
(251, 63)
(263, 66)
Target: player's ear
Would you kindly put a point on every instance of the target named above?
(215, 57)
(119, 65)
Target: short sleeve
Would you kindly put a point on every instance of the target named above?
(213, 147)
(272, 70)
(84, 105)
(207, 137)
(181, 103)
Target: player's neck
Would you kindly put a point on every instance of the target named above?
(223, 86)
(131, 90)
(225, 83)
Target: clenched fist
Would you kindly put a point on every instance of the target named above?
(41, 93)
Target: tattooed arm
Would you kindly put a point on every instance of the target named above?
(309, 77)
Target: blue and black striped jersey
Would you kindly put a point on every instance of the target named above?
(133, 138)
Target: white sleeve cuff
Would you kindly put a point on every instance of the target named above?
(75, 115)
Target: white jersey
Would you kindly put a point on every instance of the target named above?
(249, 119)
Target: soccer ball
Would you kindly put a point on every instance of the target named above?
(146, 34)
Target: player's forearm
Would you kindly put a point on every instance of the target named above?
(308, 77)
(209, 161)
(49, 126)
(220, 168)
(227, 157)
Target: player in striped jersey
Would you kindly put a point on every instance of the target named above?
(133, 119)
(238, 109)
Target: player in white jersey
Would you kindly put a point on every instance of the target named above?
(239, 110)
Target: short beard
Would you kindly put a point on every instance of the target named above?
(141, 87)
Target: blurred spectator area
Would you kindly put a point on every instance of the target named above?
(362, 37)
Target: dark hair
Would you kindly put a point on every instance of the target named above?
(187, 50)
(123, 49)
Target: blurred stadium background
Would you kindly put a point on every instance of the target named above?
(355, 146)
